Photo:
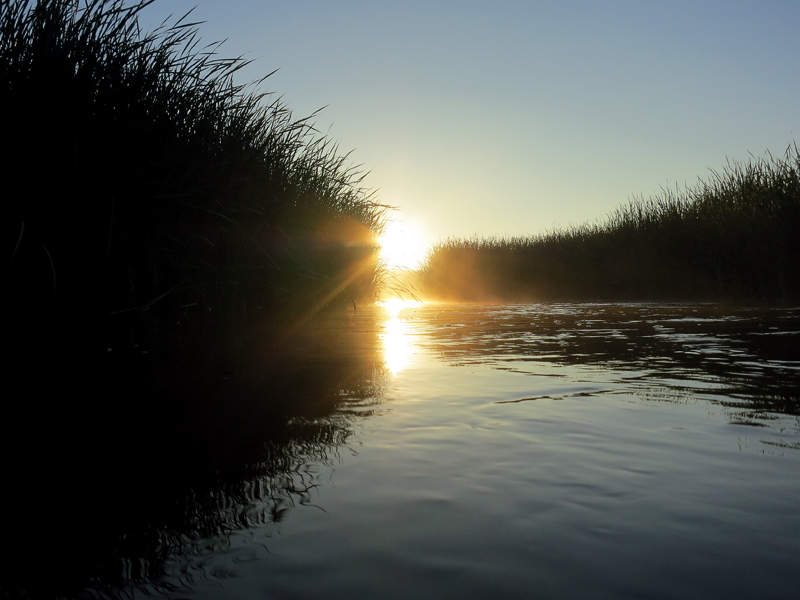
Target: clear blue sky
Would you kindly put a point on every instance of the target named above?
(519, 117)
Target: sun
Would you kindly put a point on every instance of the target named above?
(401, 246)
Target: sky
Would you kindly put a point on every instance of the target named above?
(515, 118)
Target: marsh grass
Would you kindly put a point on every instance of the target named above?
(140, 150)
(138, 174)
(734, 236)
(158, 221)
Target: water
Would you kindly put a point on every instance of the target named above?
(433, 451)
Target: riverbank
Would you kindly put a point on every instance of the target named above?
(141, 183)
(732, 237)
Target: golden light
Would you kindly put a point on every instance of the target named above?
(398, 347)
(401, 246)
(394, 305)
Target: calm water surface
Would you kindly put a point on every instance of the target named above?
(519, 451)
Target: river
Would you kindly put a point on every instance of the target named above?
(546, 451)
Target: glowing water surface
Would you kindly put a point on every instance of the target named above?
(523, 451)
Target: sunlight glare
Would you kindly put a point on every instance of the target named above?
(401, 246)
(394, 305)
(398, 347)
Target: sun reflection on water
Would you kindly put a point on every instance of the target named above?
(398, 347)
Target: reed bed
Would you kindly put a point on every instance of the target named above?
(136, 174)
(160, 226)
(734, 236)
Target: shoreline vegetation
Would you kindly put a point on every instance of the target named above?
(166, 237)
(138, 177)
(734, 237)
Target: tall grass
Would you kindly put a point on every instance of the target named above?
(734, 236)
(136, 171)
(140, 182)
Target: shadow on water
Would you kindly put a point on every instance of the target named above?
(167, 462)
(745, 358)
(121, 474)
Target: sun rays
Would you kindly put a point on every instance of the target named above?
(401, 246)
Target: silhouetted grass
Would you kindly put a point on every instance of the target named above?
(158, 222)
(134, 168)
(735, 236)
(136, 173)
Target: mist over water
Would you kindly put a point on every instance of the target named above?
(443, 451)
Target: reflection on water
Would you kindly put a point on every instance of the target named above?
(748, 357)
(396, 345)
(150, 483)
(396, 342)
(431, 451)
